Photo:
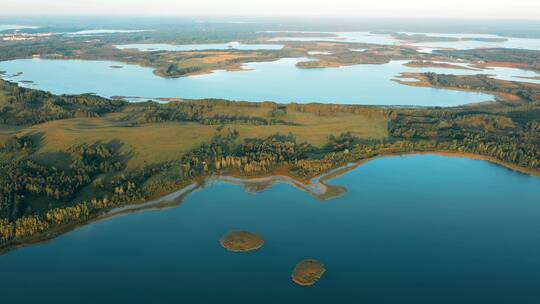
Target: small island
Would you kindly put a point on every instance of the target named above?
(241, 241)
(308, 272)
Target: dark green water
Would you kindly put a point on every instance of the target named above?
(414, 229)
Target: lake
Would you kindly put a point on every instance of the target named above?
(410, 229)
(279, 81)
(376, 38)
(10, 27)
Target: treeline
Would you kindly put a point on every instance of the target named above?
(201, 112)
(529, 57)
(15, 144)
(491, 135)
(252, 156)
(22, 180)
(24, 106)
(26, 49)
(527, 91)
(28, 179)
(173, 70)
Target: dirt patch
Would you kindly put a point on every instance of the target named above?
(308, 272)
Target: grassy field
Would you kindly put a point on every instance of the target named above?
(156, 142)
(3, 98)
(144, 144)
(6, 132)
(316, 130)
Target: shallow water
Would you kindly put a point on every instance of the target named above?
(5, 27)
(264, 81)
(413, 229)
(318, 53)
(150, 47)
(502, 73)
(351, 37)
(366, 37)
(512, 42)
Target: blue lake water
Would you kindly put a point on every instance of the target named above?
(412, 229)
(363, 37)
(264, 81)
(511, 42)
(366, 37)
(148, 47)
(6, 27)
(351, 37)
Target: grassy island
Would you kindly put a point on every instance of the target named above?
(308, 272)
(241, 241)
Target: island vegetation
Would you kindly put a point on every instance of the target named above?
(241, 241)
(308, 272)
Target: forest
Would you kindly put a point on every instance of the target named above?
(528, 92)
(530, 58)
(23, 106)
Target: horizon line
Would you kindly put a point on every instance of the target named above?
(2, 15)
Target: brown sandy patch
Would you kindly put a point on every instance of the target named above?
(308, 272)
(241, 241)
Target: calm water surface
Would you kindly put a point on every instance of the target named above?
(414, 229)
(366, 37)
(5, 27)
(265, 81)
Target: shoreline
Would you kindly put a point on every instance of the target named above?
(421, 82)
(315, 186)
(163, 202)
(244, 67)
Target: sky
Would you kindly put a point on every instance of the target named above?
(466, 9)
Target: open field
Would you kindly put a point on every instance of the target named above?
(316, 130)
(157, 142)
(3, 98)
(145, 144)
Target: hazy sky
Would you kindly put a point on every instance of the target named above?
(514, 9)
